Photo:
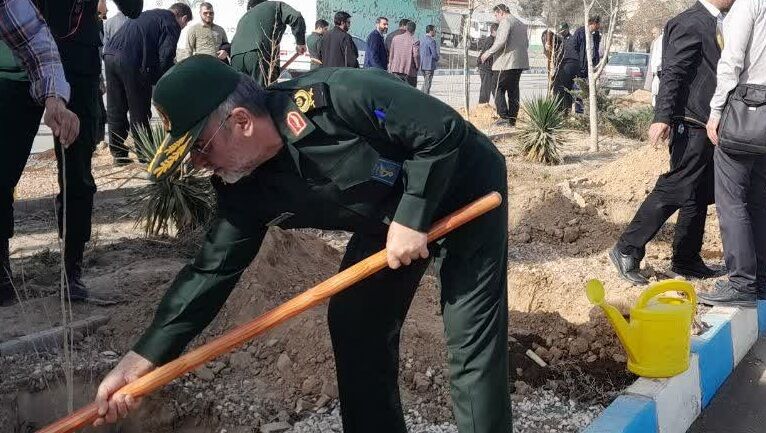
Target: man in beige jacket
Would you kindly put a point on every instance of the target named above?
(510, 59)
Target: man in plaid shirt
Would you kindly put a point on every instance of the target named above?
(26, 34)
(42, 40)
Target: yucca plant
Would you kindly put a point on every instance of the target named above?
(184, 199)
(540, 132)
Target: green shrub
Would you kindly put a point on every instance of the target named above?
(540, 132)
(184, 199)
(633, 123)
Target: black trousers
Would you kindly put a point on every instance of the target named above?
(740, 197)
(366, 320)
(488, 84)
(564, 82)
(19, 120)
(428, 77)
(686, 188)
(128, 92)
(508, 87)
(412, 81)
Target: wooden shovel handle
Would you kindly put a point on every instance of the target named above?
(163, 375)
(290, 60)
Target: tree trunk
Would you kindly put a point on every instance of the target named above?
(592, 105)
(466, 72)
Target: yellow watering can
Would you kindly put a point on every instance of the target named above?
(658, 337)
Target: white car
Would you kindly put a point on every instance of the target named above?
(302, 64)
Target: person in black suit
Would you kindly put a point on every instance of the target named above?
(337, 49)
(688, 80)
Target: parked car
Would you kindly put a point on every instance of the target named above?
(302, 64)
(625, 71)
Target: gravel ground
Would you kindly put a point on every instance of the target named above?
(540, 411)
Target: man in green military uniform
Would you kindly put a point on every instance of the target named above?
(341, 149)
(255, 46)
(76, 28)
(313, 40)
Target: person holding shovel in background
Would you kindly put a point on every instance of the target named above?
(255, 45)
(343, 149)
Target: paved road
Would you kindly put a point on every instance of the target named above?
(740, 405)
(445, 87)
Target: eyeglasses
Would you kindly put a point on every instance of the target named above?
(202, 150)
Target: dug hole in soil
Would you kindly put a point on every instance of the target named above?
(563, 220)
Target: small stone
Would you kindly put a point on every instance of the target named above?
(275, 427)
(322, 402)
(558, 233)
(301, 405)
(571, 234)
(421, 381)
(310, 386)
(272, 342)
(330, 388)
(524, 237)
(283, 416)
(284, 365)
(522, 388)
(109, 354)
(204, 373)
(578, 346)
(216, 367)
(241, 360)
(592, 358)
(618, 357)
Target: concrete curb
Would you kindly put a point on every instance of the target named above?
(671, 405)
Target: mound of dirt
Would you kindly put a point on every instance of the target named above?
(638, 99)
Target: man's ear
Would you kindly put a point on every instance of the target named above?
(243, 120)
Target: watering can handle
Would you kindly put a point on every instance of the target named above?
(668, 286)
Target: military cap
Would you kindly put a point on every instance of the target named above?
(184, 97)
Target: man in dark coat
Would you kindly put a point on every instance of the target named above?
(488, 85)
(690, 55)
(337, 48)
(376, 55)
(75, 25)
(134, 59)
(574, 62)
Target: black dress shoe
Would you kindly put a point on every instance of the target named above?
(628, 267)
(76, 289)
(724, 293)
(698, 270)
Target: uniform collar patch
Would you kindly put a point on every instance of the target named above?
(304, 99)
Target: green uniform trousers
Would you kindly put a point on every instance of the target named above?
(366, 320)
(254, 64)
(19, 120)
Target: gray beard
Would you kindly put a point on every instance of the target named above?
(231, 177)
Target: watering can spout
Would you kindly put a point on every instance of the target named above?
(595, 292)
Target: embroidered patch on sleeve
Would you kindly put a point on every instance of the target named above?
(386, 171)
(296, 122)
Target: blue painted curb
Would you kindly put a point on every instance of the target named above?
(627, 414)
(640, 412)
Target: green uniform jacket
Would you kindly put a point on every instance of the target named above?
(77, 29)
(266, 23)
(362, 148)
(312, 44)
